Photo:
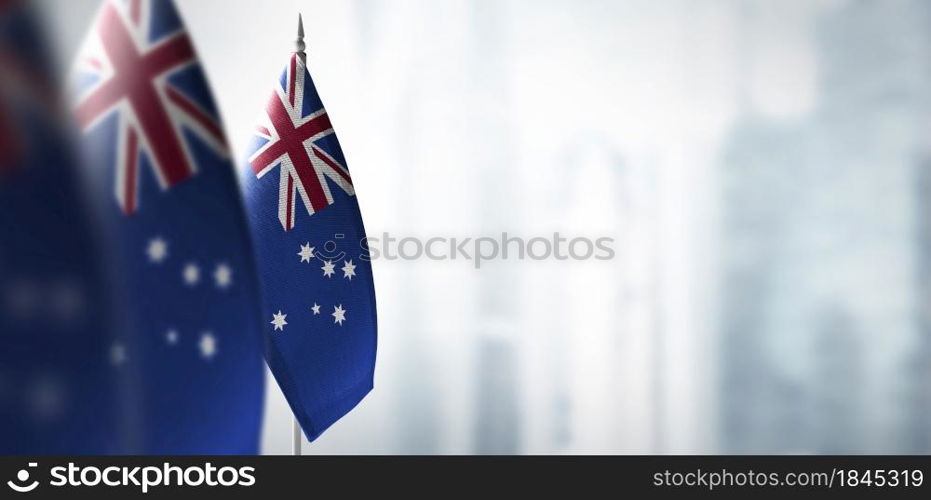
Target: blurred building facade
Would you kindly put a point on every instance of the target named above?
(822, 243)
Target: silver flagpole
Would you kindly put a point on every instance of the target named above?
(300, 39)
(297, 435)
(296, 438)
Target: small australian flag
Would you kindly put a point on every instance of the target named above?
(188, 351)
(318, 298)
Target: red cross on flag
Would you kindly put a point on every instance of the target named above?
(132, 62)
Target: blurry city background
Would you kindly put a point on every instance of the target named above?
(763, 166)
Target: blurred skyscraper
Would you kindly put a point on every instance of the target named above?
(820, 247)
(497, 414)
(919, 363)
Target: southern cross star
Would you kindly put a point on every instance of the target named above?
(191, 274)
(279, 320)
(223, 276)
(339, 314)
(306, 253)
(157, 250)
(349, 270)
(208, 345)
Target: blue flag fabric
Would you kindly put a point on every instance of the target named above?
(318, 297)
(189, 353)
(57, 391)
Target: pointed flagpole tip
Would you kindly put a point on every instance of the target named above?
(300, 46)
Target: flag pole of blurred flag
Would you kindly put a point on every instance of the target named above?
(57, 390)
(177, 246)
(318, 297)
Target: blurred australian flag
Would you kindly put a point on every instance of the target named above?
(318, 297)
(188, 353)
(57, 387)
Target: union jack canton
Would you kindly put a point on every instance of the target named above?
(125, 70)
(295, 133)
